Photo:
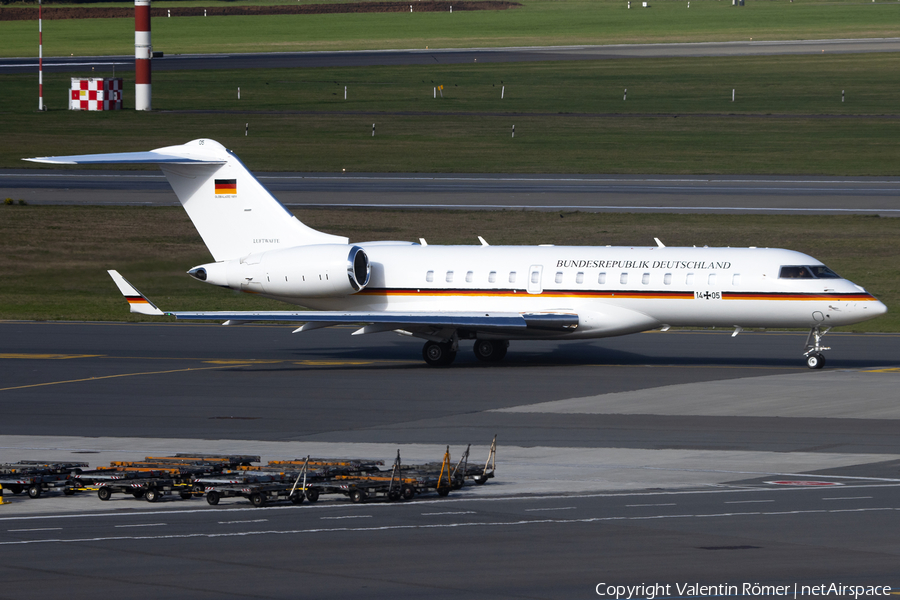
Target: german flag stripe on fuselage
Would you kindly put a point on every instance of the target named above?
(519, 293)
(843, 297)
(136, 300)
(614, 294)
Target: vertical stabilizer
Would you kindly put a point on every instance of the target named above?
(234, 214)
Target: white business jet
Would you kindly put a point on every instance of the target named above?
(489, 294)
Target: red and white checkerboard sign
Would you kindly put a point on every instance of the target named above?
(95, 93)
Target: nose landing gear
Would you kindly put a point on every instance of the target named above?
(814, 348)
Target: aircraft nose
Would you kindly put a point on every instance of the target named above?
(879, 309)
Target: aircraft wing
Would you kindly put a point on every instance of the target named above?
(387, 320)
(376, 321)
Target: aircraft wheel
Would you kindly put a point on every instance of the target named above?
(815, 361)
(490, 350)
(438, 355)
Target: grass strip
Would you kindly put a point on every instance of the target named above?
(536, 23)
(788, 117)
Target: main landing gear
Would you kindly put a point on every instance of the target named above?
(441, 354)
(490, 350)
(814, 348)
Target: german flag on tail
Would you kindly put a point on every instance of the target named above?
(226, 187)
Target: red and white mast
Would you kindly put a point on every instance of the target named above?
(143, 52)
(40, 56)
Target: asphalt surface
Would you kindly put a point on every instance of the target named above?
(452, 56)
(670, 495)
(524, 548)
(613, 193)
(242, 383)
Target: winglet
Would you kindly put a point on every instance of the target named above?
(137, 301)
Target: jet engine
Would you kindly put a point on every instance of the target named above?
(303, 271)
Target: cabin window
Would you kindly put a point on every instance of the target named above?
(645, 278)
(689, 279)
(469, 276)
(711, 280)
(601, 278)
(449, 276)
(535, 277)
(429, 276)
(579, 278)
(623, 278)
(558, 277)
(736, 279)
(492, 277)
(810, 272)
(667, 279)
(512, 276)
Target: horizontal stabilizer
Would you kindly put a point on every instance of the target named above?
(153, 157)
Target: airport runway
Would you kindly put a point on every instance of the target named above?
(176, 62)
(643, 459)
(613, 193)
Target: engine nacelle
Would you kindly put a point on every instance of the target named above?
(303, 271)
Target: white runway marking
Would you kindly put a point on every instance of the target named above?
(144, 525)
(542, 509)
(459, 512)
(36, 529)
(248, 521)
(445, 526)
(348, 517)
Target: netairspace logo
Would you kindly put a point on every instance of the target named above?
(652, 591)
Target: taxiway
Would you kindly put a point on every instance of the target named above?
(665, 457)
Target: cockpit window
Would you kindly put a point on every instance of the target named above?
(807, 272)
(823, 272)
